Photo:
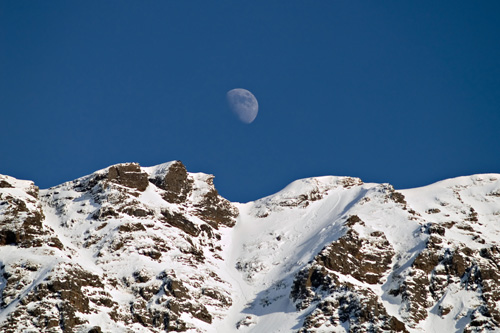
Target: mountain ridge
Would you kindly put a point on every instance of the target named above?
(151, 249)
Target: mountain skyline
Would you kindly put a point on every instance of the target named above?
(396, 92)
(155, 249)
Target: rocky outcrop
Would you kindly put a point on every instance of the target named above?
(174, 180)
(106, 220)
(442, 267)
(367, 259)
(337, 303)
(215, 209)
(57, 300)
(129, 175)
(177, 186)
(358, 309)
(21, 216)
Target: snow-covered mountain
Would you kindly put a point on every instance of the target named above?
(136, 249)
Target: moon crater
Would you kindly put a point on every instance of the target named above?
(243, 104)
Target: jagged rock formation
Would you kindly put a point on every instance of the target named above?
(367, 259)
(113, 248)
(155, 249)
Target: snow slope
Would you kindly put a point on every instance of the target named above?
(277, 236)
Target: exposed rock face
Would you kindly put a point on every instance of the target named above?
(175, 181)
(440, 267)
(58, 301)
(456, 260)
(178, 187)
(215, 209)
(358, 309)
(21, 216)
(366, 259)
(150, 251)
(129, 175)
(157, 249)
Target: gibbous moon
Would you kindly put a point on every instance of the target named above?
(243, 104)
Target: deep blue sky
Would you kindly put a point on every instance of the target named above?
(388, 91)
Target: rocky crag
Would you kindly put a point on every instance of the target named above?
(157, 249)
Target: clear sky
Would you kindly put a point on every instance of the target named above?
(404, 92)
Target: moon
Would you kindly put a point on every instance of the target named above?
(243, 104)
